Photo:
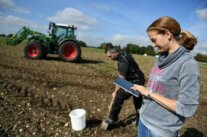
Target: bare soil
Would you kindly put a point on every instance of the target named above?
(36, 97)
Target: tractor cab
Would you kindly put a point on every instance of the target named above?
(62, 31)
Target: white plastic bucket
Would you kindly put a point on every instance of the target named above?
(78, 119)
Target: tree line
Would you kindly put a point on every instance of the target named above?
(4, 35)
(149, 50)
(130, 48)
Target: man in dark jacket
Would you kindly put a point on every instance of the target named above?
(129, 70)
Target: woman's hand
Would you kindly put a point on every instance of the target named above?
(144, 91)
(169, 104)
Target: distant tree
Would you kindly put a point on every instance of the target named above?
(150, 51)
(82, 44)
(10, 35)
(118, 47)
(106, 46)
(142, 50)
(136, 49)
(201, 57)
(132, 48)
(2, 35)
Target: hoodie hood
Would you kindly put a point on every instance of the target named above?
(166, 59)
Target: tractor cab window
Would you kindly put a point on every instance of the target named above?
(60, 32)
(70, 32)
(64, 32)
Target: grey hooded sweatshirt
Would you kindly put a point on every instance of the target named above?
(174, 76)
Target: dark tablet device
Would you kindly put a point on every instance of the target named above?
(126, 85)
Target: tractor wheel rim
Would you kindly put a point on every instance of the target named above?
(33, 51)
(70, 52)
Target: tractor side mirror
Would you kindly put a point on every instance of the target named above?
(51, 27)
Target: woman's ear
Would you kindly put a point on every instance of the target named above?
(168, 34)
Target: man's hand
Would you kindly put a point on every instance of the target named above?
(117, 88)
(113, 95)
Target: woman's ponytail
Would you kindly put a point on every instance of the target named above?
(187, 40)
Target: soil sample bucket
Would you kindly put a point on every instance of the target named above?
(78, 119)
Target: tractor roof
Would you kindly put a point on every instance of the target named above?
(64, 25)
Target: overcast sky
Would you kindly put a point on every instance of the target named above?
(116, 21)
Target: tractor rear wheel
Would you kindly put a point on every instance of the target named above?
(69, 51)
(34, 50)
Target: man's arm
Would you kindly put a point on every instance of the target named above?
(117, 88)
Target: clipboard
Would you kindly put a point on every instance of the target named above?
(126, 85)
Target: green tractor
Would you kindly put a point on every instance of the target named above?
(61, 41)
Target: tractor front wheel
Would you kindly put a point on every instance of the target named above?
(69, 51)
(34, 50)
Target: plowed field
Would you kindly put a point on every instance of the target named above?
(36, 96)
